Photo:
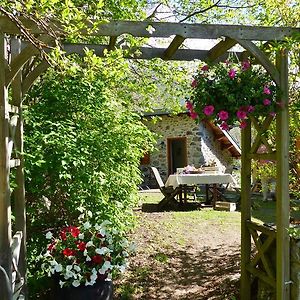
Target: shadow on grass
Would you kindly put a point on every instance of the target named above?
(153, 207)
(209, 274)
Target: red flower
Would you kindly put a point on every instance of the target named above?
(193, 115)
(97, 259)
(81, 246)
(205, 68)
(232, 73)
(74, 231)
(194, 83)
(243, 124)
(68, 252)
(63, 235)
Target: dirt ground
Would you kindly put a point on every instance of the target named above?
(184, 255)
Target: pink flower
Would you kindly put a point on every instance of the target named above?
(223, 115)
(208, 110)
(194, 83)
(241, 114)
(273, 113)
(250, 108)
(243, 124)
(193, 115)
(232, 73)
(267, 91)
(246, 65)
(189, 105)
(205, 68)
(267, 102)
(224, 126)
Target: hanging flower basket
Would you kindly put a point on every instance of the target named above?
(229, 93)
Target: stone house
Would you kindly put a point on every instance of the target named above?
(182, 142)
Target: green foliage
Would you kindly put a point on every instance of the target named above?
(83, 145)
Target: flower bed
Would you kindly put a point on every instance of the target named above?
(83, 254)
(229, 93)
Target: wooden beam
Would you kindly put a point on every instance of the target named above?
(33, 75)
(112, 42)
(226, 146)
(173, 47)
(282, 182)
(245, 291)
(192, 31)
(263, 156)
(5, 207)
(141, 53)
(220, 49)
(261, 57)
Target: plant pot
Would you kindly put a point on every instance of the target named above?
(102, 290)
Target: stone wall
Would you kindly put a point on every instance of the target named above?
(201, 146)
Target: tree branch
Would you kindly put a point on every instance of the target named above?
(200, 11)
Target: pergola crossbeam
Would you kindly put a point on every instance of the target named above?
(175, 44)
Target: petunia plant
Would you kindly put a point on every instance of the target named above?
(229, 93)
(85, 253)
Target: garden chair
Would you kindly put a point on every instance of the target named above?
(169, 192)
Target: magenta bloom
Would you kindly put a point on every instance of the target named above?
(243, 124)
(208, 110)
(245, 65)
(250, 108)
(224, 126)
(241, 114)
(232, 73)
(205, 68)
(267, 102)
(223, 115)
(193, 115)
(189, 105)
(194, 83)
(267, 91)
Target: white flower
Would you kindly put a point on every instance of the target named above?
(81, 236)
(102, 250)
(93, 277)
(122, 268)
(76, 283)
(88, 258)
(125, 254)
(104, 223)
(61, 283)
(58, 268)
(106, 265)
(89, 213)
(88, 283)
(109, 277)
(87, 225)
(89, 244)
(69, 268)
(49, 235)
(76, 268)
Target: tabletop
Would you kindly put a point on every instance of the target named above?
(193, 179)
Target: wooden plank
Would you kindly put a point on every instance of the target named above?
(261, 275)
(13, 163)
(112, 42)
(245, 213)
(19, 192)
(220, 49)
(261, 57)
(264, 229)
(173, 47)
(5, 207)
(13, 109)
(33, 75)
(143, 52)
(282, 183)
(264, 258)
(193, 31)
(263, 156)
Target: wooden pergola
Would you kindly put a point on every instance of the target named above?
(21, 64)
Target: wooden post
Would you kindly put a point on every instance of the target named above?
(282, 188)
(245, 213)
(5, 208)
(19, 192)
